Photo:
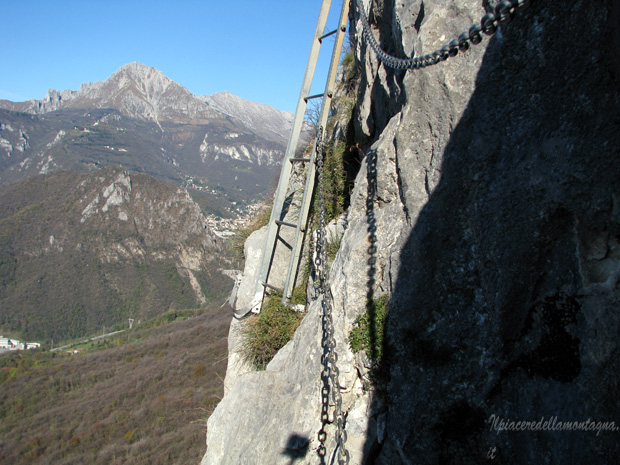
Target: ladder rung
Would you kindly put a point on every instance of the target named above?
(313, 96)
(277, 289)
(284, 223)
(327, 35)
(300, 159)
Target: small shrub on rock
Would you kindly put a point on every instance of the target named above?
(269, 331)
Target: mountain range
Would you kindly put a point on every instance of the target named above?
(103, 192)
(224, 149)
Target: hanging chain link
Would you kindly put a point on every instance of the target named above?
(331, 390)
(503, 13)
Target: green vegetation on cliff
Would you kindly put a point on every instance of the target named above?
(269, 331)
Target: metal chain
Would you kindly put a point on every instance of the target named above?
(330, 357)
(504, 13)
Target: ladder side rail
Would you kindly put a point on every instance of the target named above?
(280, 195)
(293, 269)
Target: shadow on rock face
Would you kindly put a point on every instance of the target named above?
(494, 312)
(296, 447)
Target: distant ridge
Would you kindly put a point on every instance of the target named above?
(256, 116)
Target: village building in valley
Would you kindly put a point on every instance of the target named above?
(13, 344)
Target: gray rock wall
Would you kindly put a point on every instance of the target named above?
(487, 208)
(496, 305)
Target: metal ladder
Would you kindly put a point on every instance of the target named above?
(275, 222)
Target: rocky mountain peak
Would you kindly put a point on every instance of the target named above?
(142, 80)
(141, 91)
(135, 89)
(141, 72)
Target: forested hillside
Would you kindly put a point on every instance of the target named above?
(141, 397)
(82, 251)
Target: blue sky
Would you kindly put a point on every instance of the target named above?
(256, 49)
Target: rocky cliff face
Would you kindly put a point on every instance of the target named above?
(486, 208)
